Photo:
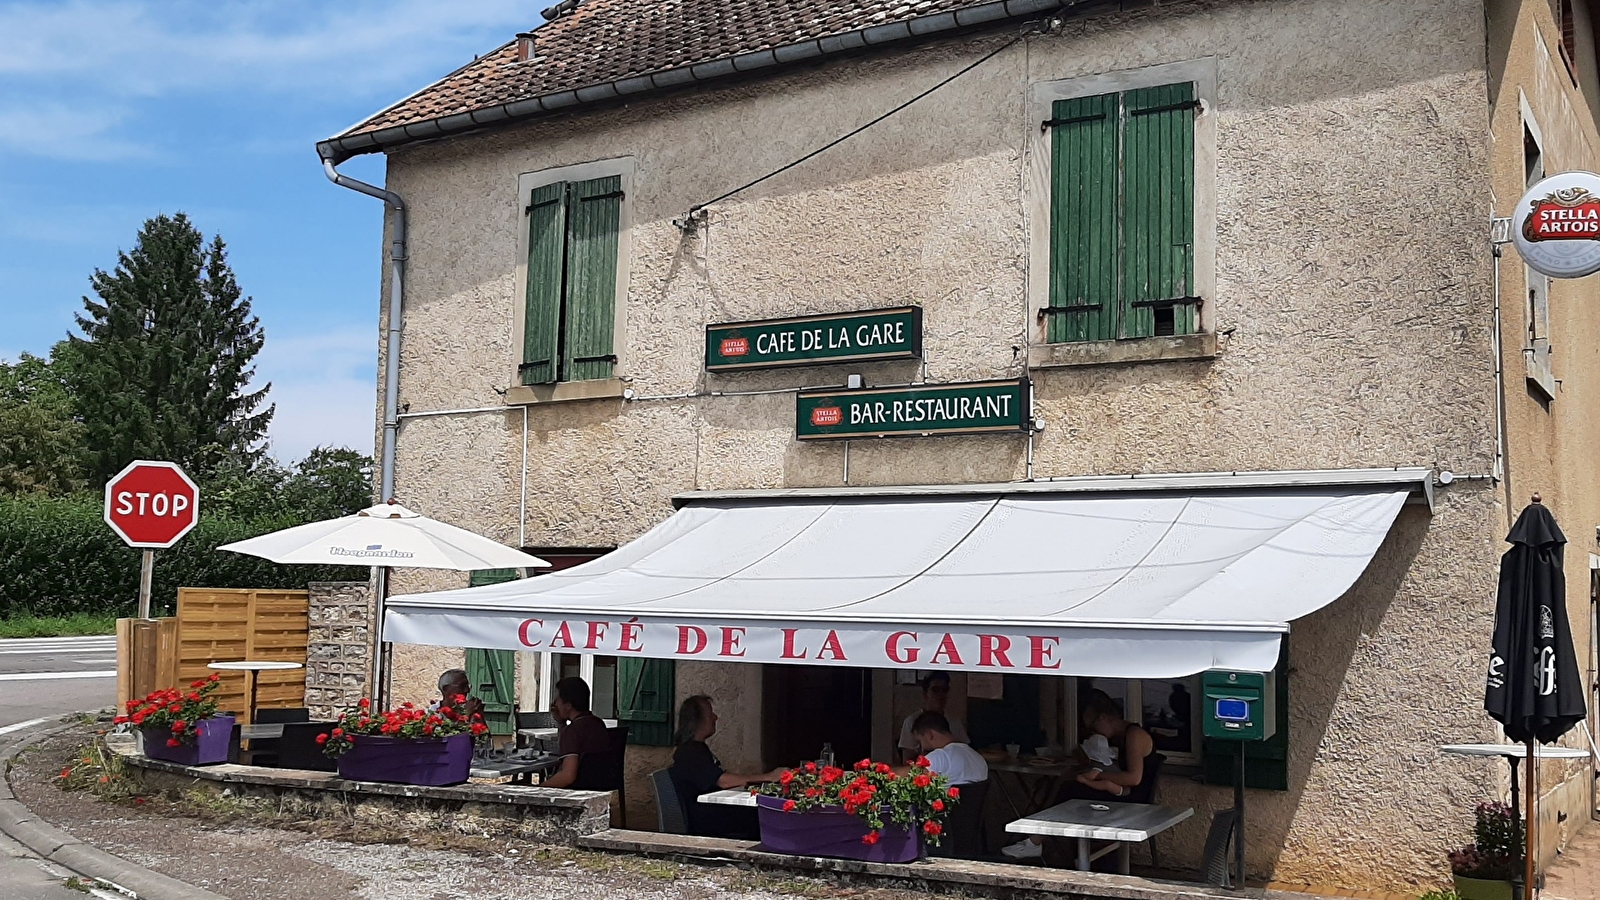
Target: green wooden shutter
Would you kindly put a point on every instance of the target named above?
(541, 323)
(594, 217)
(1266, 763)
(1083, 220)
(493, 673)
(1157, 207)
(644, 699)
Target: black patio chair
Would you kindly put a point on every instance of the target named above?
(963, 833)
(670, 817)
(603, 771)
(298, 748)
(264, 751)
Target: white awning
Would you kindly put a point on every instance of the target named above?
(1131, 578)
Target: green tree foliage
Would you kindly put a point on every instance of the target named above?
(329, 482)
(165, 360)
(58, 558)
(41, 441)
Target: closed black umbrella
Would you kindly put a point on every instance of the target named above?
(1534, 689)
(1533, 685)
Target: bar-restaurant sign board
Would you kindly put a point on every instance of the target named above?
(871, 334)
(977, 407)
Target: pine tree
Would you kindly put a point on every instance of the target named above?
(165, 360)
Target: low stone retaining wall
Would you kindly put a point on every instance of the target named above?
(482, 810)
(962, 878)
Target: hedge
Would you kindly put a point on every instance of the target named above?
(58, 557)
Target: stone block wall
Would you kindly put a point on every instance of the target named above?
(339, 646)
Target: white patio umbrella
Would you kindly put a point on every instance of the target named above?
(384, 536)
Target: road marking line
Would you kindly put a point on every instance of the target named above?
(45, 676)
(21, 725)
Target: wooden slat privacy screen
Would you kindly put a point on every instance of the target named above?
(218, 624)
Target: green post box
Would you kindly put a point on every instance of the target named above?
(1239, 706)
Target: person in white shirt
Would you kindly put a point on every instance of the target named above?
(947, 756)
(935, 694)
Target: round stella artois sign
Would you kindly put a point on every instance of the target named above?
(1557, 225)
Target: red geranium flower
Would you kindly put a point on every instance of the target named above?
(788, 806)
(870, 837)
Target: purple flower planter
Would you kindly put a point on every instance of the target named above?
(832, 832)
(209, 747)
(431, 762)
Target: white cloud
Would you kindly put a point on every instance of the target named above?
(60, 131)
(324, 385)
(145, 48)
(78, 77)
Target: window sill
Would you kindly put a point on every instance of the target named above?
(1106, 353)
(565, 392)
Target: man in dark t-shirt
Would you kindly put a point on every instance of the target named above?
(696, 771)
(582, 732)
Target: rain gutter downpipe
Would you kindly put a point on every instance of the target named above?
(379, 676)
(391, 360)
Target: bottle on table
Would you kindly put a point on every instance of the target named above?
(827, 755)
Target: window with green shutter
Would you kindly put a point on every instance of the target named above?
(571, 294)
(644, 699)
(493, 673)
(1122, 215)
(1266, 763)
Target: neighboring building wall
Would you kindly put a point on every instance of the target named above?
(338, 646)
(1552, 440)
(1352, 302)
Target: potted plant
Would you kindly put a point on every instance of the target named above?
(405, 745)
(1485, 868)
(181, 726)
(868, 812)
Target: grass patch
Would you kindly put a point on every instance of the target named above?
(76, 625)
(98, 771)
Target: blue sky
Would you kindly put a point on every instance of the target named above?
(112, 111)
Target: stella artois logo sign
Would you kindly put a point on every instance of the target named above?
(1570, 214)
(1556, 226)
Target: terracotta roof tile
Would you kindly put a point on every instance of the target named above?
(606, 40)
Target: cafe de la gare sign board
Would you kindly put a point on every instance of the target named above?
(976, 407)
(813, 340)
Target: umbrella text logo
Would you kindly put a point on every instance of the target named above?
(371, 551)
(1547, 671)
(1497, 667)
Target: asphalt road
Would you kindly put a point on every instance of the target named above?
(41, 678)
(45, 677)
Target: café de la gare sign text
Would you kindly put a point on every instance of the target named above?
(970, 408)
(813, 340)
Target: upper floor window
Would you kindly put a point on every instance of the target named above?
(570, 313)
(1122, 215)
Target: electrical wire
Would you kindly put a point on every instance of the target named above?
(695, 210)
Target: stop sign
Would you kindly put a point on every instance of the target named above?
(151, 504)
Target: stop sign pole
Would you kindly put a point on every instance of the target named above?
(150, 504)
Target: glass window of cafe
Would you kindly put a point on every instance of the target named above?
(1038, 711)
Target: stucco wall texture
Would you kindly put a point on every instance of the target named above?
(1551, 443)
(1353, 301)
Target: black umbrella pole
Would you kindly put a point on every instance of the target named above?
(1531, 802)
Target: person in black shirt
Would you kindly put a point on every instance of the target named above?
(582, 733)
(696, 771)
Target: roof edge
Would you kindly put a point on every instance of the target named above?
(1418, 479)
(341, 147)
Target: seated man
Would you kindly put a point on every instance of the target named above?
(947, 756)
(935, 695)
(695, 771)
(581, 731)
(453, 683)
(1116, 764)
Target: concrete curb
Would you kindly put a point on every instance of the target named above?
(51, 843)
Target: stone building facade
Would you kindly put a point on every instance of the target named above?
(1348, 158)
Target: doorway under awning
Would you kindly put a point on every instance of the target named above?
(1132, 577)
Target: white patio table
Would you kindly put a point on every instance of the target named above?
(1089, 820)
